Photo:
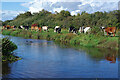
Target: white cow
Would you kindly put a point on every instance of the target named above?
(84, 29)
(21, 26)
(45, 28)
(56, 28)
(87, 29)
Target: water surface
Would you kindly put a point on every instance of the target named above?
(46, 59)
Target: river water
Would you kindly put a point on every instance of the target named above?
(46, 59)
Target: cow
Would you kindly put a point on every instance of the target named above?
(56, 28)
(40, 29)
(109, 30)
(8, 26)
(21, 27)
(45, 28)
(36, 28)
(102, 27)
(26, 27)
(4, 27)
(32, 27)
(13, 27)
(73, 30)
(86, 29)
(81, 29)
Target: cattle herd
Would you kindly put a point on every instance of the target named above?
(57, 29)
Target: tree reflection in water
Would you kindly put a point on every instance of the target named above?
(95, 53)
(5, 68)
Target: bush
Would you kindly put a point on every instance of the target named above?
(7, 47)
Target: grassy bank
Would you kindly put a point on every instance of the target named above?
(7, 50)
(88, 40)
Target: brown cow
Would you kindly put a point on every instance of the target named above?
(40, 29)
(32, 27)
(36, 28)
(110, 30)
(12, 27)
(8, 26)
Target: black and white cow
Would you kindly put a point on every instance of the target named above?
(81, 29)
(15, 27)
(73, 30)
(57, 29)
(21, 27)
(102, 28)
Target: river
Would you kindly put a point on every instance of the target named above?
(46, 59)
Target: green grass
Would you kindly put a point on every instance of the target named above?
(88, 40)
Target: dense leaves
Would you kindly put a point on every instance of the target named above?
(0, 23)
(65, 19)
(7, 47)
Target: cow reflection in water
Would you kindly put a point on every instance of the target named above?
(111, 58)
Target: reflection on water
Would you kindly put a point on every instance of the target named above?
(95, 53)
(110, 58)
(5, 68)
(46, 59)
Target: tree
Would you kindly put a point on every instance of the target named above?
(1, 23)
(65, 13)
(78, 14)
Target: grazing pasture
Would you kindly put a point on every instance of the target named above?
(95, 39)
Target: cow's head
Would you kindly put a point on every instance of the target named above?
(102, 27)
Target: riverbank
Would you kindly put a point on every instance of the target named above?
(10, 58)
(7, 50)
(87, 40)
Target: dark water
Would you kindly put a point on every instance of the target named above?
(45, 59)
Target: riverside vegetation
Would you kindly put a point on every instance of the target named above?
(87, 40)
(7, 50)
(64, 19)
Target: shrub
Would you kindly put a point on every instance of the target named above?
(7, 46)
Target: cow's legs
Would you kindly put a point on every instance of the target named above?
(113, 34)
(107, 33)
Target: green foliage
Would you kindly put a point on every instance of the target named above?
(1, 23)
(97, 31)
(6, 22)
(6, 32)
(25, 15)
(65, 20)
(95, 39)
(65, 13)
(7, 47)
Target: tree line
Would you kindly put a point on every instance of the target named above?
(65, 19)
